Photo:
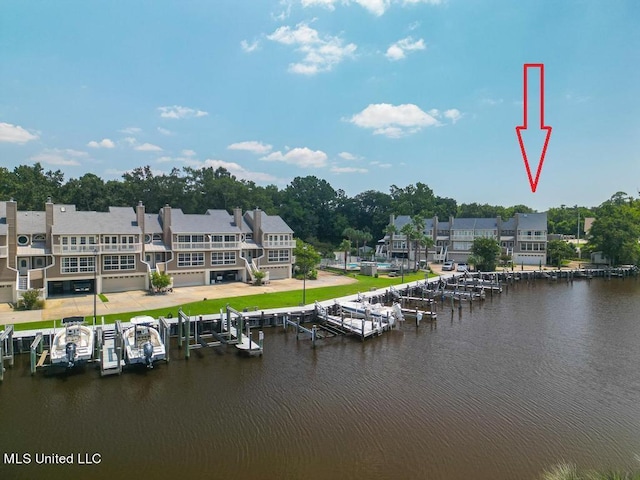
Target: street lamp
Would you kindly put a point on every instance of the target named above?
(304, 278)
(95, 284)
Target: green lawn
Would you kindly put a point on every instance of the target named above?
(262, 301)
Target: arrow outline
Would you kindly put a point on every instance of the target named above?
(524, 126)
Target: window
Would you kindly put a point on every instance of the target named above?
(278, 256)
(119, 262)
(223, 258)
(195, 259)
(190, 238)
(77, 264)
(23, 240)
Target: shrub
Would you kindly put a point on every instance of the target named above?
(31, 300)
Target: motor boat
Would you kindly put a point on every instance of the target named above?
(73, 344)
(142, 342)
(372, 311)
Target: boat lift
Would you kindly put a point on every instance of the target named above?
(6, 348)
(36, 349)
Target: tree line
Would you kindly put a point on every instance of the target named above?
(318, 213)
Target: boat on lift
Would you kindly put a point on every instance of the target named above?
(142, 342)
(73, 344)
(372, 311)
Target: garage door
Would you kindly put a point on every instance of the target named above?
(278, 273)
(6, 293)
(123, 284)
(188, 279)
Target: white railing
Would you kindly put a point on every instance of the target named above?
(97, 248)
(279, 244)
(4, 251)
(206, 246)
(532, 238)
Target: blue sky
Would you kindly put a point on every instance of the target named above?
(362, 93)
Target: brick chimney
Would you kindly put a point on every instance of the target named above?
(12, 232)
(166, 225)
(140, 221)
(237, 217)
(48, 215)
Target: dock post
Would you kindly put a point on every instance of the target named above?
(363, 320)
(1, 363)
(297, 327)
(180, 328)
(313, 336)
(261, 340)
(187, 351)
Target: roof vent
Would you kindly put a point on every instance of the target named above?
(63, 209)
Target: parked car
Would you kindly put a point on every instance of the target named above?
(448, 266)
(463, 267)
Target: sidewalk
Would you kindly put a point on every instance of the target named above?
(123, 302)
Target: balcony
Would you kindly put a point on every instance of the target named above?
(4, 251)
(532, 238)
(206, 246)
(97, 248)
(279, 244)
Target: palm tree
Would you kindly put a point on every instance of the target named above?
(408, 232)
(366, 237)
(345, 247)
(426, 242)
(350, 233)
(418, 225)
(390, 230)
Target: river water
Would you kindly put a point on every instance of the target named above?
(545, 373)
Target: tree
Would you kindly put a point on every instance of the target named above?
(306, 257)
(408, 232)
(559, 250)
(426, 242)
(616, 229)
(31, 300)
(486, 251)
(160, 280)
(345, 247)
(418, 223)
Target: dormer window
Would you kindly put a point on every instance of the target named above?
(23, 240)
(148, 238)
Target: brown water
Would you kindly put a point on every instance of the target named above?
(545, 373)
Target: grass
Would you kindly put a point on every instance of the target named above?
(262, 301)
(570, 472)
(103, 297)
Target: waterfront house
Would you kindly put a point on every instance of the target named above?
(523, 237)
(62, 251)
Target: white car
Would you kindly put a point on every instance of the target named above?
(462, 267)
(448, 266)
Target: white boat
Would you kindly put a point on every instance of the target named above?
(372, 311)
(142, 342)
(73, 344)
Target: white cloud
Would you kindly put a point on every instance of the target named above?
(348, 170)
(165, 159)
(188, 153)
(130, 130)
(249, 47)
(302, 157)
(129, 141)
(382, 165)
(165, 131)
(251, 146)
(393, 121)
(237, 170)
(490, 101)
(104, 143)
(376, 7)
(60, 157)
(398, 50)
(320, 54)
(347, 156)
(15, 134)
(177, 112)
(148, 147)
(453, 114)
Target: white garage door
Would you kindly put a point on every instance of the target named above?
(6, 293)
(188, 279)
(123, 284)
(278, 273)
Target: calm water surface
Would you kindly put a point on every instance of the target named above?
(544, 373)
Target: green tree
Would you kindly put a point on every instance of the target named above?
(408, 231)
(160, 280)
(306, 258)
(616, 229)
(30, 300)
(345, 247)
(559, 250)
(486, 251)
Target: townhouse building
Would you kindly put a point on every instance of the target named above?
(523, 237)
(62, 251)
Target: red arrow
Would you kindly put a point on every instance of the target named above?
(534, 182)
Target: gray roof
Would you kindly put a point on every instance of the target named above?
(443, 226)
(270, 223)
(400, 221)
(152, 223)
(509, 224)
(486, 223)
(463, 223)
(532, 221)
(31, 222)
(118, 220)
(214, 221)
